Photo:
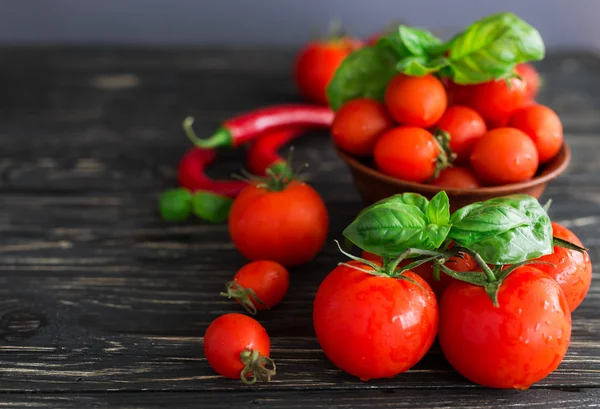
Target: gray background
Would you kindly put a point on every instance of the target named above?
(563, 23)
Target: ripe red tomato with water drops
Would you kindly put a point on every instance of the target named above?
(456, 177)
(358, 124)
(543, 126)
(316, 64)
(571, 269)
(407, 153)
(465, 127)
(504, 155)
(374, 326)
(513, 345)
(495, 101)
(416, 101)
(237, 346)
(529, 74)
(284, 222)
(259, 285)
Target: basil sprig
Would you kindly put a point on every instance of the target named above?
(488, 49)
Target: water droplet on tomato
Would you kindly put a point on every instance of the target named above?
(520, 311)
(537, 327)
(546, 305)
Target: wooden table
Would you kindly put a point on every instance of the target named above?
(105, 305)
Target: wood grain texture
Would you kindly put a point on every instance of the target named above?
(102, 304)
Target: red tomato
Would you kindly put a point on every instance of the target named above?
(316, 64)
(417, 101)
(465, 127)
(371, 326)
(496, 101)
(532, 79)
(504, 155)
(287, 226)
(571, 269)
(457, 94)
(457, 178)
(358, 124)
(510, 346)
(266, 280)
(407, 153)
(543, 126)
(228, 337)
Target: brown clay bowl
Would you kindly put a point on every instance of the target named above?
(373, 185)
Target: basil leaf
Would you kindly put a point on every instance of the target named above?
(481, 220)
(521, 243)
(211, 207)
(389, 228)
(437, 234)
(414, 199)
(418, 41)
(364, 74)
(438, 210)
(491, 47)
(421, 65)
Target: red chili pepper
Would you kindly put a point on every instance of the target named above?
(191, 174)
(263, 153)
(246, 127)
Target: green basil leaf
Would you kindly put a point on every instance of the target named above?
(437, 234)
(491, 47)
(438, 210)
(364, 74)
(419, 66)
(211, 207)
(414, 199)
(389, 228)
(521, 243)
(481, 220)
(418, 41)
(175, 205)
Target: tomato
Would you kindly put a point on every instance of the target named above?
(416, 101)
(316, 64)
(504, 155)
(259, 285)
(373, 326)
(358, 124)
(510, 346)
(407, 153)
(287, 226)
(457, 94)
(529, 74)
(571, 269)
(543, 126)
(234, 343)
(465, 127)
(496, 101)
(456, 177)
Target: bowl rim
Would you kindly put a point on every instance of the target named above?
(553, 168)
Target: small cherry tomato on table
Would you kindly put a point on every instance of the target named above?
(465, 127)
(259, 285)
(543, 126)
(237, 346)
(416, 101)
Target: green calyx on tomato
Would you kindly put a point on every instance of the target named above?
(278, 176)
(446, 156)
(245, 296)
(488, 49)
(256, 367)
(178, 204)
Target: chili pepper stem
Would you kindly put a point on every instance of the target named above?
(222, 137)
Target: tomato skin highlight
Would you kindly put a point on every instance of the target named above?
(495, 101)
(510, 346)
(268, 279)
(416, 101)
(358, 124)
(226, 338)
(456, 177)
(543, 126)
(289, 226)
(504, 155)
(465, 127)
(371, 326)
(571, 269)
(407, 153)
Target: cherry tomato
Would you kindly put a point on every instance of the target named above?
(407, 153)
(457, 94)
(504, 155)
(358, 124)
(237, 346)
(571, 269)
(259, 285)
(416, 101)
(287, 226)
(372, 326)
(510, 346)
(496, 101)
(465, 127)
(316, 64)
(529, 74)
(543, 126)
(456, 177)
